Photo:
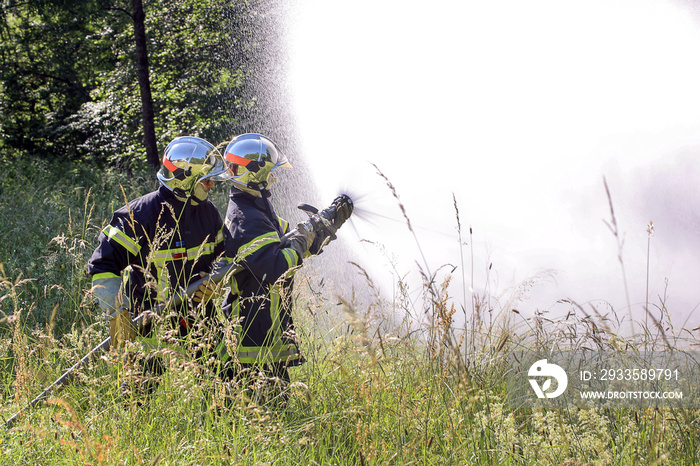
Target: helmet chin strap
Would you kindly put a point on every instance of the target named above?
(198, 194)
(260, 188)
(180, 195)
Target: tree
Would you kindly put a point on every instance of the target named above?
(144, 83)
(53, 55)
(76, 75)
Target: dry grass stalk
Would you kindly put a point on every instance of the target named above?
(612, 225)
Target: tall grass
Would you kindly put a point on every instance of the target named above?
(376, 389)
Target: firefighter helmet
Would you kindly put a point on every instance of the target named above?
(188, 160)
(250, 159)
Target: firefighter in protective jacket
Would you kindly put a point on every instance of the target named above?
(259, 301)
(165, 238)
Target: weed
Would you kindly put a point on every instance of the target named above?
(388, 381)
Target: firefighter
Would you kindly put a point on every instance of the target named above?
(259, 300)
(161, 241)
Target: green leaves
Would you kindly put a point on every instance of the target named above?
(68, 77)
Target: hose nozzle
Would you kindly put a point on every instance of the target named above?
(332, 217)
(339, 211)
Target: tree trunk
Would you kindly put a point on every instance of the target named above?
(144, 83)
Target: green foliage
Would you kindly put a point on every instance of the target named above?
(53, 54)
(196, 91)
(50, 216)
(69, 86)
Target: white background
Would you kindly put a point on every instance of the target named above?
(518, 110)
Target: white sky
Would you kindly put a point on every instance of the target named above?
(518, 109)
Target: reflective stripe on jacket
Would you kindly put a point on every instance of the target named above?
(161, 237)
(260, 295)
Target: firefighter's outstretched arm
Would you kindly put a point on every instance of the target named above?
(323, 224)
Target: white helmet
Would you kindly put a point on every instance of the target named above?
(250, 159)
(187, 161)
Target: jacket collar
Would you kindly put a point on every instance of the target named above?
(262, 203)
(168, 196)
(240, 194)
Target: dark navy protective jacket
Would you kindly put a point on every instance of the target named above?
(164, 242)
(260, 295)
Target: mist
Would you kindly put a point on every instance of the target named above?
(515, 113)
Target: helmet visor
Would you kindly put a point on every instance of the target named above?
(199, 161)
(217, 168)
(255, 152)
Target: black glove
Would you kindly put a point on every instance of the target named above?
(300, 239)
(319, 242)
(343, 209)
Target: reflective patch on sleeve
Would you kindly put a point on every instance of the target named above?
(102, 276)
(258, 243)
(292, 257)
(267, 354)
(234, 286)
(115, 234)
(227, 260)
(220, 236)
